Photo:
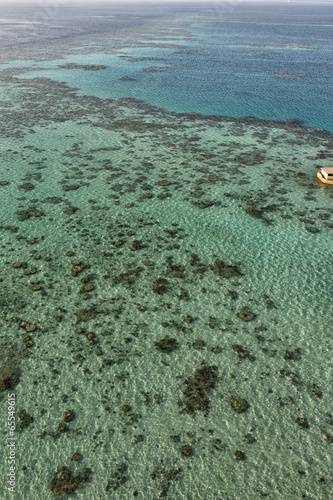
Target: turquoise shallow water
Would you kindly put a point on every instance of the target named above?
(171, 262)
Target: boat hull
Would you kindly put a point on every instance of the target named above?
(322, 179)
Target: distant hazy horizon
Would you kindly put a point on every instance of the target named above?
(49, 3)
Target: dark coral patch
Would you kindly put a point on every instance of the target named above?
(239, 405)
(197, 389)
(246, 315)
(65, 483)
(166, 345)
(224, 270)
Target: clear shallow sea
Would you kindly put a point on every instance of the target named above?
(183, 225)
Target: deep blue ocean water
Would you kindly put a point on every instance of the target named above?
(268, 61)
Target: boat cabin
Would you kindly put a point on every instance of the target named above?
(327, 173)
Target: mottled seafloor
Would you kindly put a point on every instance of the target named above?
(160, 271)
